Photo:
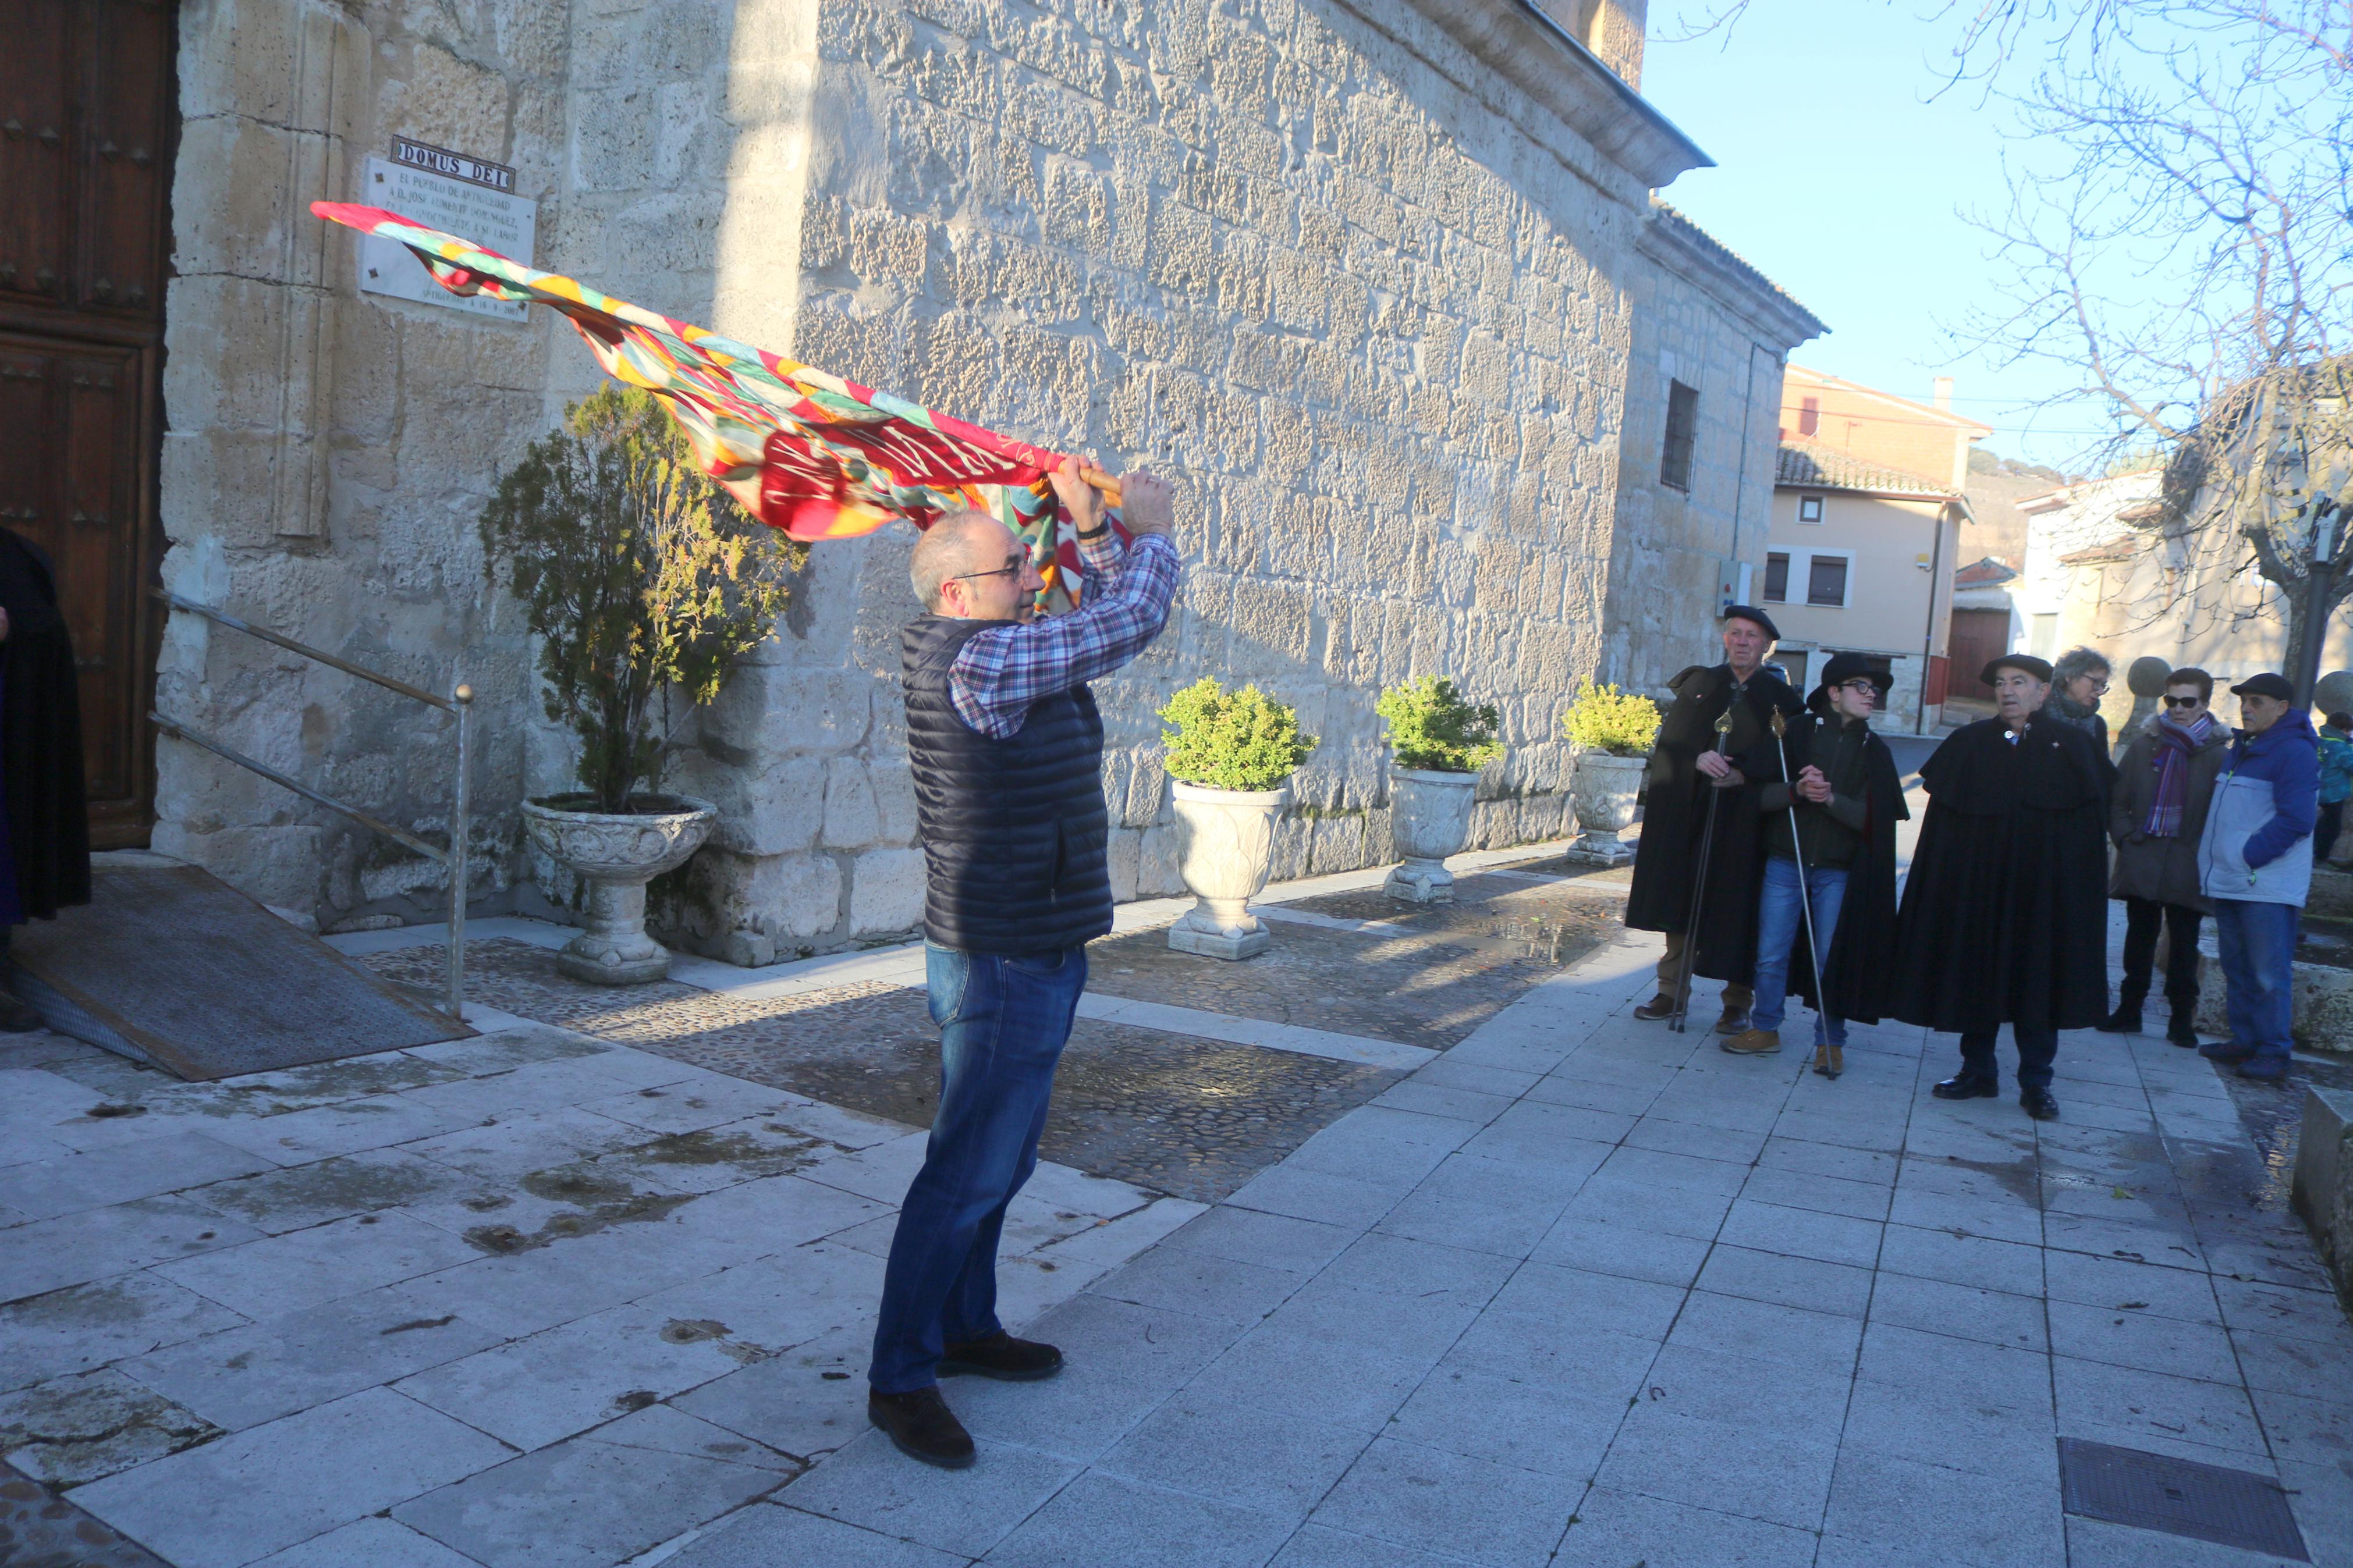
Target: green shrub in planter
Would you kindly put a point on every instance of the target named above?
(1604, 718)
(1434, 728)
(639, 574)
(1232, 740)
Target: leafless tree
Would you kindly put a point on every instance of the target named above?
(2180, 240)
(2177, 243)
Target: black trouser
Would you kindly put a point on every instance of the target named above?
(2142, 917)
(2325, 828)
(2036, 1047)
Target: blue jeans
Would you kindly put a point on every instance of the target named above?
(2258, 943)
(1003, 1022)
(1779, 918)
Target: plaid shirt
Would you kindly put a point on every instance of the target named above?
(1003, 670)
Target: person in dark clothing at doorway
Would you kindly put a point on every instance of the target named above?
(1006, 748)
(45, 825)
(2005, 912)
(1847, 798)
(1693, 772)
(2164, 782)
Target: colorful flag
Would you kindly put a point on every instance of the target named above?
(806, 452)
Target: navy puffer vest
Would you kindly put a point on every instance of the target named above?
(1014, 830)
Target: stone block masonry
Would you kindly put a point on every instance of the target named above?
(1363, 279)
(1375, 331)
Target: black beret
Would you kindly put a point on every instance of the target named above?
(2266, 685)
(1750, 612)
(2038, 667)
(1844, 667)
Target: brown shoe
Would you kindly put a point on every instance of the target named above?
(1659, 1006)
(1753, 1043)
(1732, 1021)
(1829, 1060)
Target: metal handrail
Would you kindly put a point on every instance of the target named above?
(458, 703)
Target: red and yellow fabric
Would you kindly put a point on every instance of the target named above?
(809, 453)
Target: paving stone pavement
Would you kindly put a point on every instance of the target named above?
(1583, 1292)
(1575, 1291)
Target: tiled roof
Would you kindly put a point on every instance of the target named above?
(1982, 573)
(2124, 547)
(1662, 213)
(1804, 464)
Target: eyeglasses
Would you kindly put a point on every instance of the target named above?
(1012, 568)
(1859, 683)
(2183, 701)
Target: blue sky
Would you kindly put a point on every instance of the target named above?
(1839, 174)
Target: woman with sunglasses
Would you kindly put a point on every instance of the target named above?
(2164, 782)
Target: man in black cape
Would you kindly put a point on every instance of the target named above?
(1832, 813)
(45, 826)
(2005, 914)
(1695, 772)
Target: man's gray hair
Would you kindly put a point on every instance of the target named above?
(945, 551)
(2077, 662)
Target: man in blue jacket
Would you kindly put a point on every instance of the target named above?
(2263, 807)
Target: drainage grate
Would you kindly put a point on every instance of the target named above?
(2180, 1497)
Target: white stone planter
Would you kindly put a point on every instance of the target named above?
(1429, 816)
(1604, 789)
(1227, 846)
(616, 855)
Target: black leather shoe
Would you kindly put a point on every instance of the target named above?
(921, 1425)
(2181, 1032)
(1733, 1021)
(1003, 1357)
(2038, 1103)
(16, 1016)
(1965, 1086)
(2123, 1021)
(2225, 1051)
(1657, 1007)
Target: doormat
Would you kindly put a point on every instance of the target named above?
(169, 965)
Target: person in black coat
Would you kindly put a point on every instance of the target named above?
(45, 825)
(2005, 913)
(1693, 772)
(1832, 815)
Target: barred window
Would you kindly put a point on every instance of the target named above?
(1683, 434)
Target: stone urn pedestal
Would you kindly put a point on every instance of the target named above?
(1430, 818)
(1228, 846)
(615, 855)
(1604, 788)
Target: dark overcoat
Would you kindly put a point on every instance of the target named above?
(1863, 949)
(40, 736)
(2004, 918)
(2164, 869)
(1676, 804)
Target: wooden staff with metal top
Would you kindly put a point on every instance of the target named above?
(1676, 1020)
(1798, 850)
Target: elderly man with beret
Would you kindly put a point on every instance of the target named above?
(1700, 770)
(2005, 912)
(2253, 863)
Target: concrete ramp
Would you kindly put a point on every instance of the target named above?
(169, 965)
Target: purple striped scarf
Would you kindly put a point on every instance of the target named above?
(2170, 758)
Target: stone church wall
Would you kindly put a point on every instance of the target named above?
(1677, 553)
(1369, 303)
(1375, 331)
